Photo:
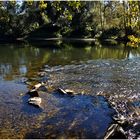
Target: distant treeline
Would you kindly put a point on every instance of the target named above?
(117, 20)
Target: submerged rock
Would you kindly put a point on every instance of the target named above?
(43, 88)
(66, 91)
(36, 101)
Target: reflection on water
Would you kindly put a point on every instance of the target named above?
(24, 60)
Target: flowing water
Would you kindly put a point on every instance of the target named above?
(113, 71)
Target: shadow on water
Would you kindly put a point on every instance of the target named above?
(80, 116)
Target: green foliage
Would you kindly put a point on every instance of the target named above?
(133, 41)
(42, 5)
(110, 19)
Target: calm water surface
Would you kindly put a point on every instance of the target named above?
(24, 60)
(19, 62)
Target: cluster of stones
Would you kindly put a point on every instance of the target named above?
(36, 101)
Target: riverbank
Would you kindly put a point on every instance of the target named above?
(57, 39)
(62, 39)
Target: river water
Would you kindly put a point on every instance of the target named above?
(115, 74)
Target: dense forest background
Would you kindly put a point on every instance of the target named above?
(117, 20)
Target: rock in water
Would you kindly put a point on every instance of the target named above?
(71, 92)
(33, 93)
(66, 91)
(62, 91)
(115, 132)
(36, 101)
(37, 85)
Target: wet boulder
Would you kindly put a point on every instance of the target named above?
(62, 91)
(70, 92)
(35, 101)
(37, 86)
(66, 91)
(33, 93)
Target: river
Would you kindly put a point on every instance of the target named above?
(111, 71)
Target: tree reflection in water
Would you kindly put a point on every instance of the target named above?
(24, 60)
